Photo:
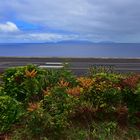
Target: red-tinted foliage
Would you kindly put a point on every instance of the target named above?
(131, 81)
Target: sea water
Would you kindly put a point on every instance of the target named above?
(110, 50)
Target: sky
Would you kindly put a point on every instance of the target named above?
(59, 20)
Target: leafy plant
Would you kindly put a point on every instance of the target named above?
(101, 69)
(50, 117)
(103, 131)
(103, 94)
(10, 111)
(60, 105)
(23, 83)
(54, 76)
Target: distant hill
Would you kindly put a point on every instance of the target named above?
(78, 42)
(71, 42)
(106, 42)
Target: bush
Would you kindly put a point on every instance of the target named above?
(59, 105)
(131, 92)
(103, 94)
(101, 69)
(1, 91)
(115, 78)
(56, 100)
(54, 76)
(137, 98)
(10, 111)
(102, 131)
(50, 117)
(23, 83)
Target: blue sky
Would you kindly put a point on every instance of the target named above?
(57, 20)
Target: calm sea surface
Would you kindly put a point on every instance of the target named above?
(122, 50)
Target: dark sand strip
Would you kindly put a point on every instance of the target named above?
(77, 65)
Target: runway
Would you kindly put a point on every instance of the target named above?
(79, 66)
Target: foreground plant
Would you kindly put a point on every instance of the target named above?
(10, 112)
(59, 105)
(24, 83)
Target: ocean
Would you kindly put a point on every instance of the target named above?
(107, 50)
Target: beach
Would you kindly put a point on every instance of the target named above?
(79, 66)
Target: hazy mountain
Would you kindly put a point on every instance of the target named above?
(79, 42)
(71, 42)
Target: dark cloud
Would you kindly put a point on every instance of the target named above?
(115, 20)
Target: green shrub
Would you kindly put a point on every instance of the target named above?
(103, 94)
(115, 78)
(23, 83)
(26, 83)
(76, 134)
(59, 105)
(1, 91)
(103, 131)
(51, 117)
(101, 69)
(53, 76)
(10, 111)
(137, 99)
(132, 98)
(55, 100)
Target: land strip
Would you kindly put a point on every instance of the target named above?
(79, 66)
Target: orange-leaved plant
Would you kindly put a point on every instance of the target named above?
(85, 82)
(75, 91)
(30, 74)
(33, 106)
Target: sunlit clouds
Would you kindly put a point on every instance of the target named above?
(8, 27)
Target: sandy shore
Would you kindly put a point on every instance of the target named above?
(77, 64)
(44, 59)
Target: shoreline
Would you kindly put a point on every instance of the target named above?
(42, 60)
(69, 59)
(77, 65)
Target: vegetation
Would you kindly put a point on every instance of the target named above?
(43, 104)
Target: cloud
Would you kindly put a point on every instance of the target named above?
(116, 20)
(51, 37)
(8, 27)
